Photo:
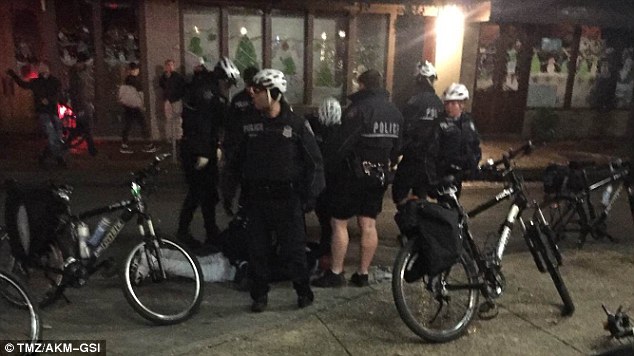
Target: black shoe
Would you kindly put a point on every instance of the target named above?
(260, 304)
(228, 208)
(61, 163)
(188, 240)
(305, 300)
(359, 280)
(330, 280)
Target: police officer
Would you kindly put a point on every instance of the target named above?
(240, 108)
(327, 128)
(455, 144)
(420, 114)
(371, 129)
(205, 108)
(281, 174)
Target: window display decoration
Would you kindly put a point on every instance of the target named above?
(245, 54)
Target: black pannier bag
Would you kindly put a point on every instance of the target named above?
(33, 215)
(437, 234)
(558, 179)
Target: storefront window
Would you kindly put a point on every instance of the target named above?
(625, 79)
(371, 46)
(120, 26)
(26, 43)
(245, 38)
(549, 68)
(588, 78)
(328, 57)
(287, 53)
(201, 37)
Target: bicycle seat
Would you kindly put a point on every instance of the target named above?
(581, 164)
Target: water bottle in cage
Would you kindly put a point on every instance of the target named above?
(607, 194)
(100, 232)
(83, 234)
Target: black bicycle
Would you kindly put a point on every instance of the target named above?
(439, 307)
(570, 208)
(19, 317)
(162, 280)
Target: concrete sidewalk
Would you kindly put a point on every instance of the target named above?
(18, 158)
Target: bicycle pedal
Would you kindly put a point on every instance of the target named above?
(488, 310)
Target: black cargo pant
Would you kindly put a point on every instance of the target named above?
(203, 192)
(284, 217)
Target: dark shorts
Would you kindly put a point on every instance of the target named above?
(354, 198)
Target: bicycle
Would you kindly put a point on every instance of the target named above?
(570, 208)
(19, 317)
(439, 307)
(162, 280)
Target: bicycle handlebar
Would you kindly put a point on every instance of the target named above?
(152, 170)
(526, 148)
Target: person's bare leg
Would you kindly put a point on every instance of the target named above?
(369, 242)
(339, 247)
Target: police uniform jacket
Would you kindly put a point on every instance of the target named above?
(419, 113)
(371, 127)
(280, 151)
(454, 142)
(240, 109)
(204, 109)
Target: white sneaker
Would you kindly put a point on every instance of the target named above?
(149, 148)
(125, 149)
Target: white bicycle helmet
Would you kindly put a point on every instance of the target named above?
(330, 112)
(456, 91)
(426, 69)
(229, 69)
(270, 79)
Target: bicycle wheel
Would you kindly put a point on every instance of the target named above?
(19, 318)
(43, 277)
(163, 282)
(437, 309)
(565, 216)
(549, 258)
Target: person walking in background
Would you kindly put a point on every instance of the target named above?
(281, 172)
(205, 109)
(421, 114)
(82, 96)
(455, 144)
(241, 107)
(131, 97)
(173, 85)
(46, 90)
(371, 130)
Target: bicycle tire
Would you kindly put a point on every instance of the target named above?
(566, 215)
(44, 277)
(550, 262)
(149, 293)
(18, 303)
(464, 272)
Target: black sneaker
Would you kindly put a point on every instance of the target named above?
(359, 280)
(305, 300)
(189, 241)
(260, 304)
(330, 280)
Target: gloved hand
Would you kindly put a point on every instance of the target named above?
(309, 205)
(201, 162)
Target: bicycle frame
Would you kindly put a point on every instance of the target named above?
(620, 175)
(132, 207)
